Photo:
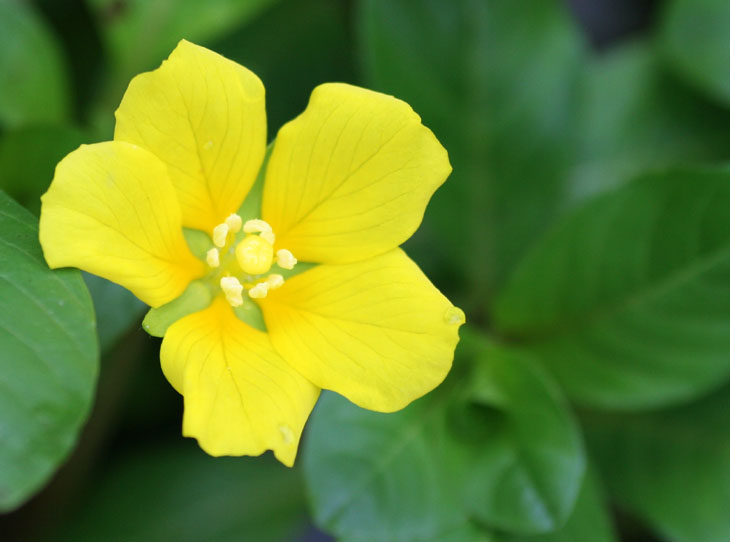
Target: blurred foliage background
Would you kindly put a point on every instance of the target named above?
(585, 231)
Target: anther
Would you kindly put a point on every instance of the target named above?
(275, 281)
(234, 223)
(232, 288)
(213, 257)
(261, 227)
(220, 233)
(259, 291)
(285, 259)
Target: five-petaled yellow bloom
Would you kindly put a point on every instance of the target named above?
(345, 184)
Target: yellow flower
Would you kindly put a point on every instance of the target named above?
(346, 183)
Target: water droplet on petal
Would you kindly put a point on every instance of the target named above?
(208, 145)
(454, 315)
(287, 434)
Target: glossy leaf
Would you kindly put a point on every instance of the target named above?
(33, 87)
(627, 300)
(670, 467)
(182, 494)
(48, 358)
(374, 476)
(527, 474)
(695, 40)
(505, 451)
(589, 521)
(495, 82)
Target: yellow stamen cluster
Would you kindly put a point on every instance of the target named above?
(253, 255)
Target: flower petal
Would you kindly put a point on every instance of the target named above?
(112, 211)
(351, 176)
(241, 398)
(377, 331)
(204, 116)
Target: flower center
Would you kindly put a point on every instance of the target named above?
(246, 266)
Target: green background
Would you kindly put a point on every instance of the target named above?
(585, 231)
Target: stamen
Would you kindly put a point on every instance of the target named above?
(220, 233)
(275, 281)
(262, 227)
(234, 223)
(285, 259)
(259, 291)
(232, 288)
(256, 226)
(213, 257)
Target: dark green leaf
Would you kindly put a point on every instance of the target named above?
(495, 81)
(28, 157)
(527, 474)
(48, 358)
(33, 87)
(374, 476)
(505, 450)
(589, 522)
(634, 116)
(140, 34)
(182, 494)
(627, 300)
(671, 468)
(695, 39)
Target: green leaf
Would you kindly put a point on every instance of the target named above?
(33, 87)
(695, 40)
(626, 301)
(374, 476)
(495, 80)
(116, 309)
(635, 116)
(48, 358)
(671, 467)
(590, 520)
(506, 452)
(28, 157)
(529, 470)
(179, 493)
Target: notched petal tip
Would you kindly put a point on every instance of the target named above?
(241, 398)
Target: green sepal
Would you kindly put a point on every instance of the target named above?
(198, 242)
(195, 298)
(250, 313)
